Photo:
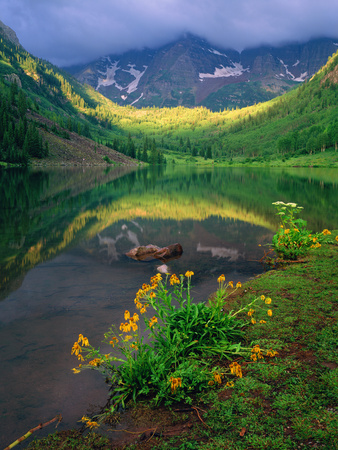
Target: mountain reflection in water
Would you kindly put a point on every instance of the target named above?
(64, 236)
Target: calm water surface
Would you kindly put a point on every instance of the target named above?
(64, 235)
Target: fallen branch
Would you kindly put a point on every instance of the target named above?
(30, 432)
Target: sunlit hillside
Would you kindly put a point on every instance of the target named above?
(302, 122)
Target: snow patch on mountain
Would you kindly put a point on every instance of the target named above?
(135, 73)
(216, 52)
(301, 78)
(220, 72)
(296, 63)
(135, 101)
(109, 75)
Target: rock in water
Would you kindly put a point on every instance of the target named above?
(146, 252)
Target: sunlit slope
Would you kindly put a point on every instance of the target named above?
(299, 122)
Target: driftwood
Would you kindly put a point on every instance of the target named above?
(30, 432)
(147, 252)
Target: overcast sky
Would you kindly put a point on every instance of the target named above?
(68, 32)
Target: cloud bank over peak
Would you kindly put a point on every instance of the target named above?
(69, 32)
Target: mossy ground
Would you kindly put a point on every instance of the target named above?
(287, 402)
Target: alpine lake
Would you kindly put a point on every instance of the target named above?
(65, 233)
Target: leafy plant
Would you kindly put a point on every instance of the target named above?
(293, 239)
(173, 363)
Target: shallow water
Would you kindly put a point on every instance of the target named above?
(64, 270)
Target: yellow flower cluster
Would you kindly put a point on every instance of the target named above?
(77, 349)
(218, 378)
(113, 341)
(175, 383)
(84, 341)
(221, 279)
(256, 353)
(131, 325)
(174, 280)
(271, 353)
(95, 362)
(152, 321)
(89, 423)
(326, 232)
(236, 369)
(189, 274)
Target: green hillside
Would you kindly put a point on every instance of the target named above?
(46, 115)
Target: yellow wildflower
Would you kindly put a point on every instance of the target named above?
(175, 383)
(326, 232)
(189, 274)
(239, 284)
(218, 378)
(136, 317)
(140, 293)
(152, 295)
(76, 370)
(253, 357)
(152, 321)
(134, 326)
(263, 297)
(113, 341)
(250, 312)
(268, 301)
(269, 312)
(296, 230)
(287, 231)
(76, 349)
(91, 424)
(126, 315)
(271, 353)
(95, 362)
(336, 238)
(80, 357)
(262, 321)
(145, 287)
(230, 384)
(84, 419)
(211, 383)
(221, 279)
(143, 310)
(253, 321)
(128, 337)
(134, 346)
(125, 327)
(84, 341)
(236, 369)
(231, 284)
(174, 280)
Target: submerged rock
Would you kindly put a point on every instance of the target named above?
(146, 252)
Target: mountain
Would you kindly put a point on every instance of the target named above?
(49, 117)
(191, 72)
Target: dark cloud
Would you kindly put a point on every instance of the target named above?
(76, 31)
